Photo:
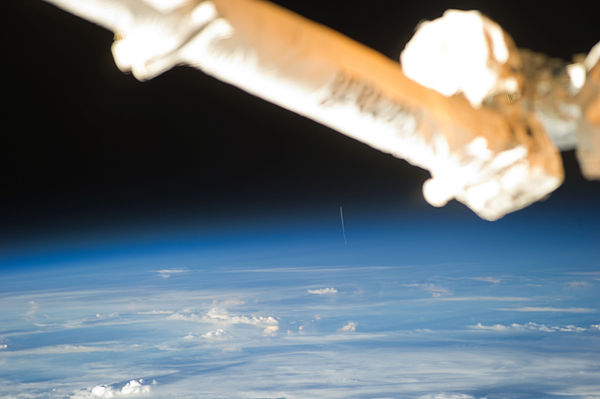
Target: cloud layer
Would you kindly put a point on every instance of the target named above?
(548, 309)
(532, 326)
(269, 324)
(133, 388)
(323, 291)
(393, 333)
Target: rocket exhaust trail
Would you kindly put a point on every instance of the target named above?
(343, 228)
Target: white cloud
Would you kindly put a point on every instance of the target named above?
(100, 316)
(313, 270)
(166, 273)
(447, 396)
(67, 349)
(572, 328)
(415, 373)
(578, 284)
(230, 302)
(350, 327)
(271, 330)
(269, 324)
(60, 349)
(323, 291)
(132, 388)
(430, 369)
(531, 326)
(585, 273)
(435, 290)
(487, 279)
(495, 327)
(33, 308)
(153, 312)
(548, 309)
(3, 346)
(185, 317)
(217, 334)
(483, 298)
(222, 315)
(102, 391)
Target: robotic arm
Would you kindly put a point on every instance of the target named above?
(481, 143)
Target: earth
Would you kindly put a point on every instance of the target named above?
(407, 307)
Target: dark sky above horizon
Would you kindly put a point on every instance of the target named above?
(85, 145)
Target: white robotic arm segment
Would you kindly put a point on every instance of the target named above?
(495, 158)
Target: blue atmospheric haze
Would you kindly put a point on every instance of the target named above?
(414, 306)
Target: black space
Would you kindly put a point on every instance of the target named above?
(84, 144)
